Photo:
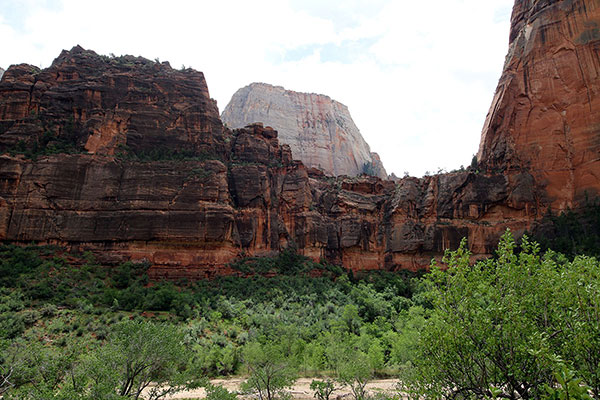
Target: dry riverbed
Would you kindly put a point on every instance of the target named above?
(300, 390)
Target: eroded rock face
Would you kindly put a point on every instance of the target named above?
(105, 105)
(319, 130)
(192, 218)
(546, 111)
(240, 192)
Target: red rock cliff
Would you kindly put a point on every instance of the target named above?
(545, 115)
(166, 182)
(104, 105)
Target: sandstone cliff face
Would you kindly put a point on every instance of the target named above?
(104, 105)
(191, 218)
(215, 194)
(188, 217)
(546, 111)
(210, 194)
(319, 130)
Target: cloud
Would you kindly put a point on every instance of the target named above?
(346, 52)
(418, 77)
(343, 14)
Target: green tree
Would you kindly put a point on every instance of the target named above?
(270, 370)
(136, 354)
(322, 389)
(350, 320)
(7, 367)
(355, 372)
(501, 327)
(578, 300)
(405, 340)
(38, 371)
(376, 355)
(474, 163)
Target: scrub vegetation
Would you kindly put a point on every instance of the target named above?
(522, 325)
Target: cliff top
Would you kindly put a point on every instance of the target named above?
(268, 86)
(104, 104)
(319, 130)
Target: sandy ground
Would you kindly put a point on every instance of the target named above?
(300, 390)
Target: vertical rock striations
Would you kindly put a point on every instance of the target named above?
(128, 158)
(153, 174)
(545, 115)
(319, 130)
(107, 105)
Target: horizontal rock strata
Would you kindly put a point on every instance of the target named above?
(153, 174)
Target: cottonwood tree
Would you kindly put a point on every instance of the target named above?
(504, 327)
(269, 368)
(7, 367)
(35, 371)
(137, 354)
(355, 371)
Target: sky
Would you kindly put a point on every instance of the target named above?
(417, 76)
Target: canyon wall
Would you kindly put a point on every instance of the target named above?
(319, 130)
(153, 174)
(105, 105)
(128, 158)
(545, 115)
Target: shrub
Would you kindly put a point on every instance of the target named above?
(269, 369)
(502, 327)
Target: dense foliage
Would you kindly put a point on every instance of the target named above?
(520, 325)
(509, 327)
(573, 232)
(306, 316)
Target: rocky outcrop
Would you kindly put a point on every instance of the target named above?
(1, 72)
(188, 217)
(105, 105)
(319, 130)
(545, 115)
(155, 175)
(191, 218)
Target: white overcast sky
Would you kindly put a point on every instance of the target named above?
(417, 76)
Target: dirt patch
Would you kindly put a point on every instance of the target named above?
(300, 390)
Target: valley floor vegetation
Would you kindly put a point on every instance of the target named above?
(522, 325)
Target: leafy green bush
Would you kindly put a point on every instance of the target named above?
(502, 327)
(270, 371)
(49, 143)
(322, 389)
(164, 153)
(216, 392)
